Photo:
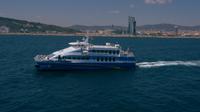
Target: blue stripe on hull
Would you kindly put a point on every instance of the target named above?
(82, 66)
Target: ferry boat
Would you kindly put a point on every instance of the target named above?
(82, 55)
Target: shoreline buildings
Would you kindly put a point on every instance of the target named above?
(4, 29)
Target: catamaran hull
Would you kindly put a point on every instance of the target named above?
(82, 66)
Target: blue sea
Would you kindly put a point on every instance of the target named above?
(167, 78)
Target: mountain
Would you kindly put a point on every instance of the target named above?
(168, 27)
(85, 28)
(158, 27)
(22, 26)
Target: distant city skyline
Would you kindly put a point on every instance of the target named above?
(103, 12)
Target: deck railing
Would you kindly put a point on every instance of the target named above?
(41, 57)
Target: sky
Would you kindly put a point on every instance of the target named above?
(103, 12)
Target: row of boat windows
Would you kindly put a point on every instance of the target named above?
(100, 59)
(110, 59)
(76, 58)
(105, 51)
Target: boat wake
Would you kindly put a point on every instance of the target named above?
(168, 63)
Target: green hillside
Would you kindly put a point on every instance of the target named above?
(21, 26)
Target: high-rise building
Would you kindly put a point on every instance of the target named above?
(176, 30)
(131, 25)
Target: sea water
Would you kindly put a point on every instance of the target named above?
(166, 79)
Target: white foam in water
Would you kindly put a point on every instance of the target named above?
(168, 63)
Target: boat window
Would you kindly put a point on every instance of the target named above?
(98, 59)
(74, 58)
(106, 59)
(110, 52)
(86, 58)
(117, 52)
(113, 59)
(59, 57)
(110, 59)
(102, 59)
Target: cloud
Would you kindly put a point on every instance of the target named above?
(157, 1)
(114, 12)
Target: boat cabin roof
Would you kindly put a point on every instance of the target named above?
(101, 47)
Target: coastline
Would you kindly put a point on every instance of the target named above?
(98, 35)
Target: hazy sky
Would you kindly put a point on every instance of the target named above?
(103, 12)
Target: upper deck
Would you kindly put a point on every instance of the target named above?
(86, 49)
